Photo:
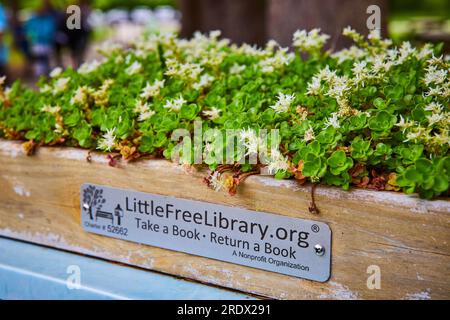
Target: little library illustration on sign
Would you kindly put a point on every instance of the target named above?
(292, 246)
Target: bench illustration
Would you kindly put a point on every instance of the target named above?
(104, 215)
(118, 212)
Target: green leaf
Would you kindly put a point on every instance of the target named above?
(379, 103)
(337, 159)
(440, 184)
(146, 144)
(413, 175)
(189, 111)
(382, 121)
(82, 134)
(312, 166)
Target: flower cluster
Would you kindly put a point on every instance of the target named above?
(375, 115)
(152, 90)
(283, 103)
(311, 41)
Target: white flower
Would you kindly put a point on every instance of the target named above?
(344, 106)
(271, 45)
(277, 62)
(60, 85)
(437, 91)
(374, 34)
(339, 87)
(80, 96)
(58, 128)
(435, 75)
(434, 107)
(359, 71)
(205, 81)
(45, 88)
(381, 63)
(50, 109)
(333, 121)
(215, 181)
(144, 110)
(435, 60)
(250, 140)
(435, 118)
(134, 68)
(314, 86)
(236, 68)
(152, 90)
(141, 106)
(309, 135)
(425, 52)
(8, 92)
(212, 114)
(186, 71)
(215, 34)
(146, 115)
(108, 140)
(56, 72)
(445, 93)
(359, 67)
(2, 80)
(406, 51)
(89, 67)
(442, 138)
(348, 30)
(392, 54)
(353, 53)
(277, 162)
(326, 74)
(283, 103)
(109, 47)
(309, 41)
(416, 133)
(404, 124)
(250, 50)
(175, 104)
(352, 34)
(246, 134)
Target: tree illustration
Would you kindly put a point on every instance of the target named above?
(93, 197)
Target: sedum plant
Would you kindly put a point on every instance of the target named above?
(372, 116)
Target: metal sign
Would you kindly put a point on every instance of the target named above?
(291, 246)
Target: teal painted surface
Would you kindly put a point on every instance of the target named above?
(29, 271)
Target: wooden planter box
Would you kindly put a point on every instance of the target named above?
(406, 237)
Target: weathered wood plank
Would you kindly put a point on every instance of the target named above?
(408, 238)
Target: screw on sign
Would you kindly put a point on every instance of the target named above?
(320, 250)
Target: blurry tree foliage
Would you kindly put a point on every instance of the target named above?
(420, 7)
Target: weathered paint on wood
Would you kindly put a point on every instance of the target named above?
(406, 237)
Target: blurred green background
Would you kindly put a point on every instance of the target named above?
(120, 20)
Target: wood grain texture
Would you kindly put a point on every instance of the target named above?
(408, 238)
